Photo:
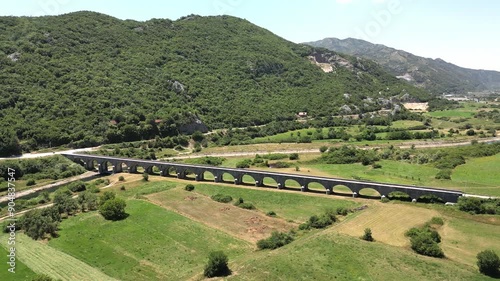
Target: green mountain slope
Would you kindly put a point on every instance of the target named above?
(436, 75)
(86, 78)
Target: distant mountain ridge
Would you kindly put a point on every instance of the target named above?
(434, 75)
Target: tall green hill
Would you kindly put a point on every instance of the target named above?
(86, 78)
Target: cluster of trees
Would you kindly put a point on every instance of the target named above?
(54, 167)
(115, 80)
(425, 240)
(112, 207)
(348, 155)
(479, 205)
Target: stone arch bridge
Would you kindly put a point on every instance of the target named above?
(104, 163)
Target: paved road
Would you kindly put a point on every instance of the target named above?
(405, 146)
(26, 192)
(45, 154)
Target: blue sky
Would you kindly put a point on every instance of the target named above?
(463, 32)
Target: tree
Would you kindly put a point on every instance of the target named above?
(113, 209)
(64, 203)
(217, 265)
(9, 144)
(368, 235)
(107, 195)
(87, 201)
(488, 262)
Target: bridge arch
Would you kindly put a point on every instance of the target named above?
(248, 179)
(341, 189)
(370, 192)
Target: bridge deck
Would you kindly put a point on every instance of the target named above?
(263, 173)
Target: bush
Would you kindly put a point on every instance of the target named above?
(342, 211)
(368, 235)
(277, 239)
(122, 188)
(398, 195)
(217, 265)
(424, 244)
(478, 205)
(271, 214)
(376, 166)
(248, 206)
(430, 199)
(77, 186)
(488, 262)
(385, 200)
(244, 164)
(323, 149)
(189, 187)
(293, 156)
(145, 176)
(425, 241)
(437, 221)
(222, 198)
(113, 209)
(444, 174)
(121, 178)
(30, 182)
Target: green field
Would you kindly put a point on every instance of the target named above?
(291, 206)
(151, 244)
(480, 175)
(22, 271)
(330, 256)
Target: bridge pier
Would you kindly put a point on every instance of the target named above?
(258, 184)
(181, 175)
(117, 168)
(237, 181)
(164, 172)
(304, 188)
(217, 178)
(132, 169)
(89, 165)
(354, 195)
(329, 191)
(103, 168)
(199, 177)
(281, 185)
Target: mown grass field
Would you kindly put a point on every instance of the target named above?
(22, 271)
(41, 258)
(151, 244)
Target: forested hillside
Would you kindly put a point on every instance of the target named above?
(86, 78)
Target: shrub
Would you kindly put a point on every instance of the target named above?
(121, 178)
(397, 195)
(113, 209)
(430, 199)
(217, 265)
(145, 176)
(222, 198)
(30, 182)
(342, 211)
(248, 206)
(277, 239)
(77, 186)
(323, 149)
(488, 262)
(376, 166)
(189, 187)
(444, 174)
(367, 236)
(293, 156)
(122, 187)
(385, 200)
(271, 214)
(425, 245)
(244, 164)
(437, 220)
